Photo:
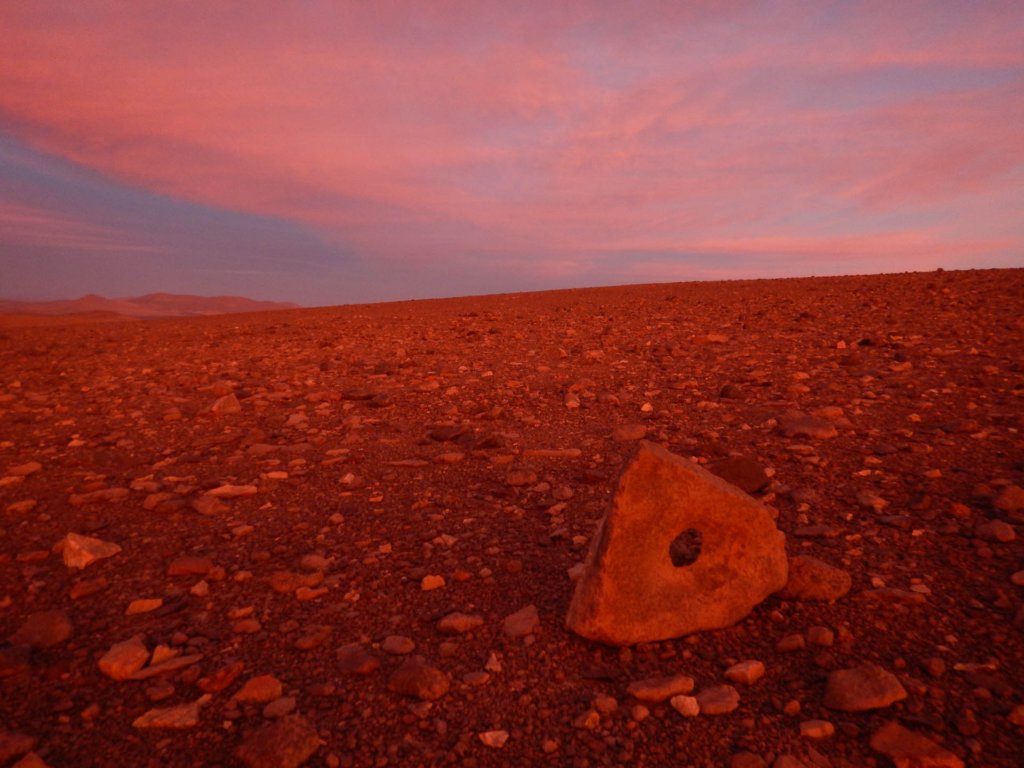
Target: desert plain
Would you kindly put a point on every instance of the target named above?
(345, 536)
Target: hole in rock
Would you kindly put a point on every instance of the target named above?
(685, 548)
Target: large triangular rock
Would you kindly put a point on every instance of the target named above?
(679, 551)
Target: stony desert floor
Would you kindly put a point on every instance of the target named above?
(301, 499)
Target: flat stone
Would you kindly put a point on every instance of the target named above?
(190, 565)
(741, 471)
(814, 579)
(124, 659)
(680, 551)
(521, 623)
(178, 717)
(24, 470)
(143, 605)
(81, 551)
(398, 645)
(659, 689)
(799, 424)
(719, 700)
(225, 405)
(817, 729)
(746, 672)
(287, 743)
(625, 433)
(459, 623)
(354, 659)
(861, 688)
(259, 690)
(44, 629)
(909, 749)
(229, 491)
(419, 680)
(493, 739)
(13, 659)
(687, 706)
(13, 744)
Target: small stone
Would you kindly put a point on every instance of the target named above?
(742, 471)
(1010, 499)
(143, 605)
(13, 659)
(222, 678)
(625, 433)
(285, 705)
(798, 424)
(246, 627)
(86, 587)
(817, 729)
(605, 704)
(81, 551)
(354, 659)
(459, 623)
(287, 743)
(31, 760)
(476, 677)
(719, 700)
(24, 470)
(746, 672)
(909, 749)
(587, 721)
(687, 706)
(788, 761)
(43, 629)
(228, 491)
(431, 582)
(996, 530)
(520, 477)
(521, 623)
(314, 637)
(747, 760)
(861, 688)
(814, 579)
(181, 716)
(190, 566)
(494, 739)
(1016, 716)
(398, 645)
(259, 690)
(789, 643)
(124, 659)
(226, 405)
(658, 689)
(822, 636)
(208, 506)
(13, 744)
(419, 680)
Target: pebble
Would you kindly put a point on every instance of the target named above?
(190, 566)
(222, 678)
(228, 491)
(31, 760)
(279, 707)
(44, 629)
(747, 760)
(124, 659)
(13, 743)
(431, 582)
(814, 579)
(459, 623)
(354, 659)
(789, 643)
(822, 636)
(861, 688)
(521, 623)
(419, 680)
(746, 672)
(143, 605)
(259, 690)
(494, 739)
(719, 700)
(286, 743)
(909, 748)
(625, 433)
(996, 530)
(180, 716)
(687, 706)
(817, 729)
(658, 689)
(24, 470)
(82, 551)
(398, 645)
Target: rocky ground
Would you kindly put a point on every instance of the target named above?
(241, 540)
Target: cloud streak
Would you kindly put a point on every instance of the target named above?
(507, 144)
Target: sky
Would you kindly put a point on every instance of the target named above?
(338, 152)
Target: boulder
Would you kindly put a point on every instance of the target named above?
(679, 551)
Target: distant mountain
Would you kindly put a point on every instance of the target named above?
(150, 305)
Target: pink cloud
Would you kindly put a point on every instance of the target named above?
(540, 129)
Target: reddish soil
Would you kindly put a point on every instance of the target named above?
(382, 438)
